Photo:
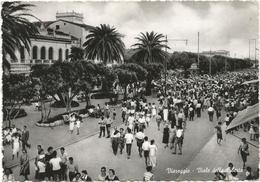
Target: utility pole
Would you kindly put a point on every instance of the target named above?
(198, 49)
(249, 47)
(210, 62)
(255, 53)
(225, 64)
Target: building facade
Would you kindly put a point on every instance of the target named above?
(216, 53)
(53, 42)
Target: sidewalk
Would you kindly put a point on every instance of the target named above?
(214, 156)
(46, 136)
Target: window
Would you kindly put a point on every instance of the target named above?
(67, 54)
(22, 56)
(35, 52)
(43, 53)
(50, 53)
(60, 55)
(57, 27)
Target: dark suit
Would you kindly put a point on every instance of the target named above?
(24, 139)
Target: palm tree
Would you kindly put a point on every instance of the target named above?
(150, 48)
(104, 43)
(16, 28)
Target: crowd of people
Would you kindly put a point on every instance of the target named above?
(178, 104)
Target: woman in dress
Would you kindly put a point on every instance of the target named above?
(152, 153)
(252, 132)
(78, 121)
(25, 165)
(166, 134)
(115, 140)
(153, 110)
(243, 150)
(121, 140)
(72, 122)
(15, 145)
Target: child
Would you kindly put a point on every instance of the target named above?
(148, 119)
(148, 175)
(114, 114)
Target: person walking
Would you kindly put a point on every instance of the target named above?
(166, 135)
(78, 122)
(24, 165)
(211, 113)
(108, 122)
(148, 175)
(219, 133)
(179, 140)
(244, 151)
(115, 140)
(121, 140)
(153, 110)
(15, 145)
(158, 119)
(64, 160)
(72, 168)
(139, 136)
(55, 163)
(129, 140)
(152, 154)
(25, 138)
(145, 148)
(102, 127)
(72, 120)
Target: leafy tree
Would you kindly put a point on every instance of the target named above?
(125, 77)
(154, 72)
(104, 43)
(141, 73)
(149, 48)
(16, 29)
(16, 90)
(76, 54)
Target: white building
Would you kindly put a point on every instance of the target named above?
(216, 53)
(53, 42)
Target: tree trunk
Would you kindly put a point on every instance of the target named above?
(148, 86)
(87, 98)
(125, 94)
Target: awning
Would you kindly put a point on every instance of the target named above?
(244, 116)
(250, 82)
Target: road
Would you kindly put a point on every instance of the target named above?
(92, 153)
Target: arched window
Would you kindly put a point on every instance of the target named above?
(22, 56)
(43, 53)
(60, 55)
(67, 54)
(35, 52)
(50, 53)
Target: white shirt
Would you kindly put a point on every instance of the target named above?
(55, 163)
(146, 145)
(139, 135)
(210, 109)
(179, 132)
(141, 120)
(41, 166)
(129, 138)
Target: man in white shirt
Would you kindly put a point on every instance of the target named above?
(179, 140)
(56, 166)
(211, 113)
(64, 159)
(145, 147)
(129, 140)
(139, 136)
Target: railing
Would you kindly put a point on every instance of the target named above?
(18, 68)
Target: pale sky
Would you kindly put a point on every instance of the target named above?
(222, 25)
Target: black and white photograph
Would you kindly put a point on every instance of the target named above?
(130, 90)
